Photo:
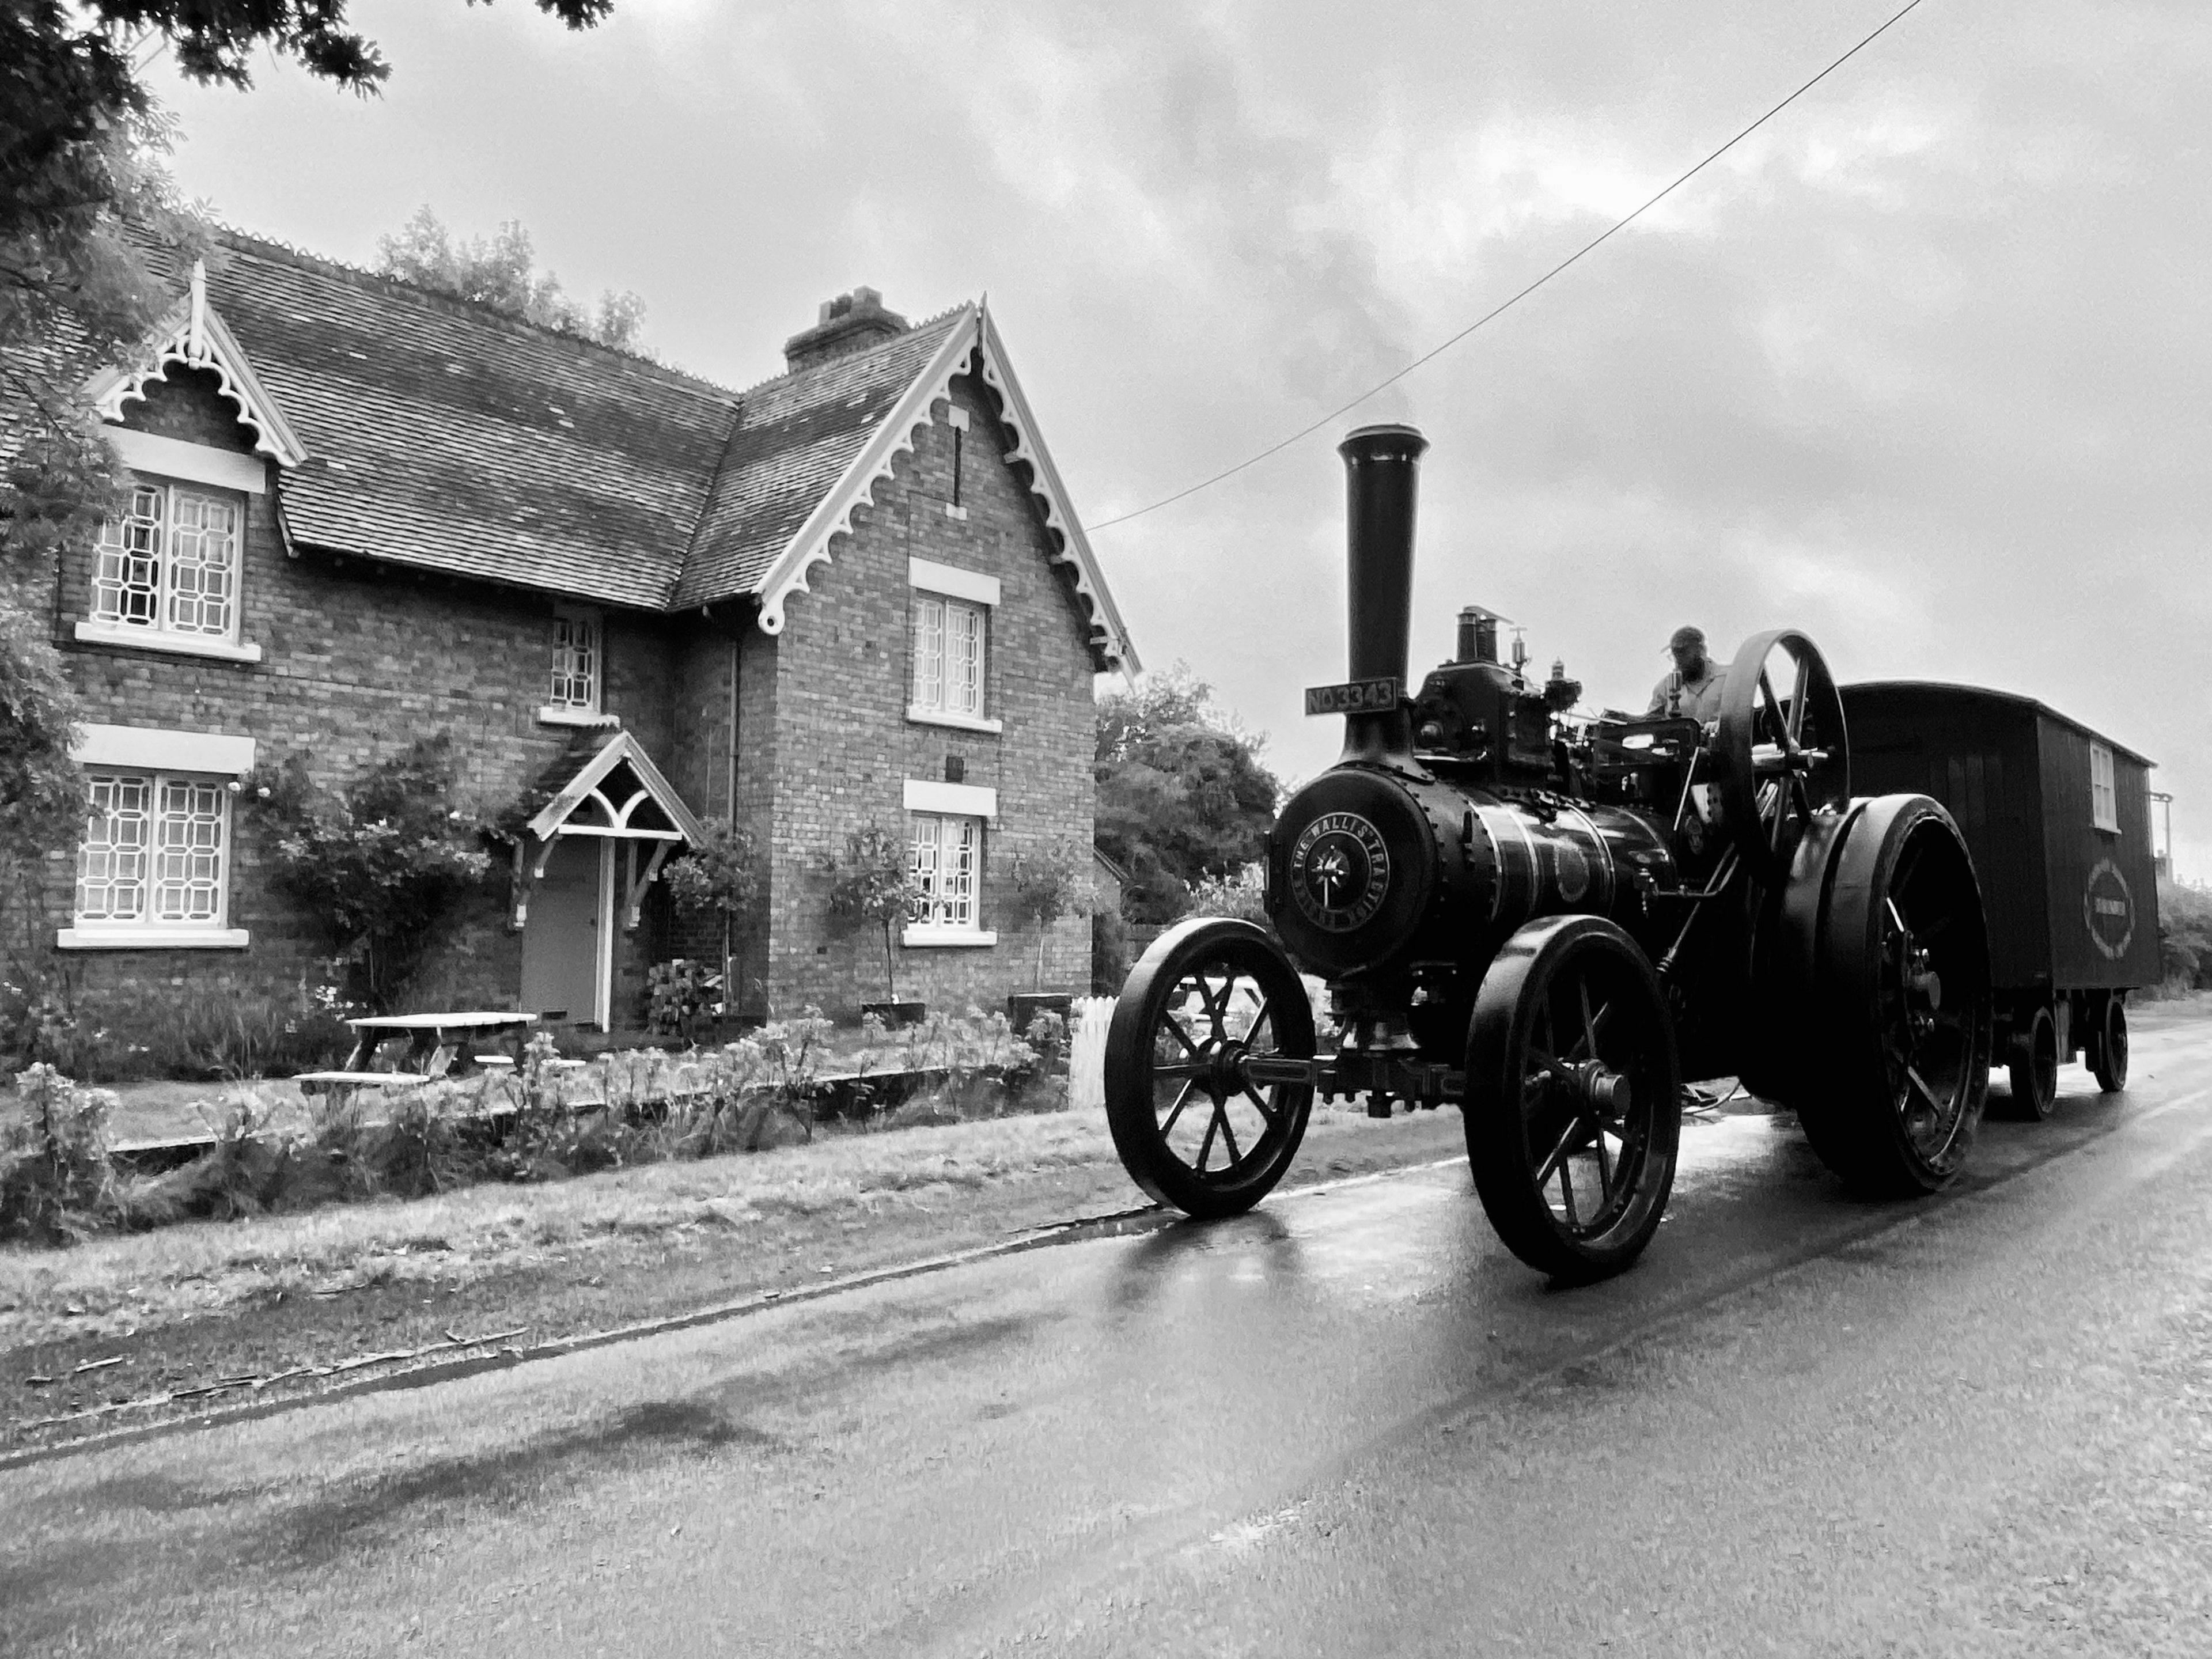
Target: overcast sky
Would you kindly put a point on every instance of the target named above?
(1922, 368)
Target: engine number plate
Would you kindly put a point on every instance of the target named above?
(1375, 696)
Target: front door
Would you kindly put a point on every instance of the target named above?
(564, 942)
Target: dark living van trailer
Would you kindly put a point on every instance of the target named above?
(2057, 818)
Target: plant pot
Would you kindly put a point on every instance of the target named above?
(1025, 1006)
(896, 1014)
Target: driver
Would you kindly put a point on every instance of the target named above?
(1693, 690)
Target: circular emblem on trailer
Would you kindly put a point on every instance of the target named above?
(2109, 909)
(1339, 872)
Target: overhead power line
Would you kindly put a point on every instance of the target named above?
(1506, 304)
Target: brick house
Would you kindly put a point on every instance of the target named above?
(853, 595)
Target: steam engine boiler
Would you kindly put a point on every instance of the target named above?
(1550, 920)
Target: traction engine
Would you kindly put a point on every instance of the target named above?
(1552, 921)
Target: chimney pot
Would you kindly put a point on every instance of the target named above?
(851, 322)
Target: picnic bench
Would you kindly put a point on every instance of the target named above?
(438, 1045)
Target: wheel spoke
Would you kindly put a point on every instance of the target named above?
(1567, 1192)
(1557, 1162)
(1227, 1133)
(1172, 1023)
(1181, 1068)
(1265, 1110)
(1588, 1047)
(1772, 709)
(1216, 1006)
(1797, 698)
(1206, 1145)
(1266, 1008)
(1181, 1100)
(1927, 1093)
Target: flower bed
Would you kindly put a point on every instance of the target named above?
(61, 1178)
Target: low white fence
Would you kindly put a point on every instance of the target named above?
(1089, 1017)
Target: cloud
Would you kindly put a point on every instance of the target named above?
(1919, 368)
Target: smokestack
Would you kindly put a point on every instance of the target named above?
(1382, 469)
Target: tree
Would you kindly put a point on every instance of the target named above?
(53, 494)
(2184, 934)
(719, 880)
(85, 201)
(502, 273)
(1182, 793)
(1046, 884)
(379, 866)
(872, 883)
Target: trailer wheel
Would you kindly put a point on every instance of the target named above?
(1191, 1130)
(1900, 1062)
(1573, 1102)
(2108, 1052)
(2032, 1062)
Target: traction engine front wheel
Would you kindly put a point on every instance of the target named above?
(1192, 1129)
(1573, 1097)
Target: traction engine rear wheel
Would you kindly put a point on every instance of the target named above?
(2108, 1053)
(1573, 1097)
(1192, 1131)
(2032, 1065)
(1901, 1060)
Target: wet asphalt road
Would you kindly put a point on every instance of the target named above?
(1346, 1425)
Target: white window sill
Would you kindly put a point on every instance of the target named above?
(930, 937)
(150, 938)
(554, 714)
(178, 644)
(921, 716)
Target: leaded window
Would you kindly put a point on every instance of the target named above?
(170, 563)
(155, 852)
(575, 661)
(948, 655)
(946, 859)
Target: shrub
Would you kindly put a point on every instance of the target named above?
(380, 866)
(1242, 894)
(1110, 955)
(718, 881)
(57, 1185)
(679, 993)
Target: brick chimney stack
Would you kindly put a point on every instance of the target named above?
(851, 322)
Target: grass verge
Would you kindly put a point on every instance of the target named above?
(128, 1318)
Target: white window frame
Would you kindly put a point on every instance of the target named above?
(941, 592)
(560, 664)
(174, 472)
(953, 918)
(2104, 790)
(144, 930)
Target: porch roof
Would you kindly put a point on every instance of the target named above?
(618, 793)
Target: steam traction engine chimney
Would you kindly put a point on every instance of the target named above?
(1382, 466)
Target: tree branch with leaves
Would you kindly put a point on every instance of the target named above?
(872, 883)
(1047, 883)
